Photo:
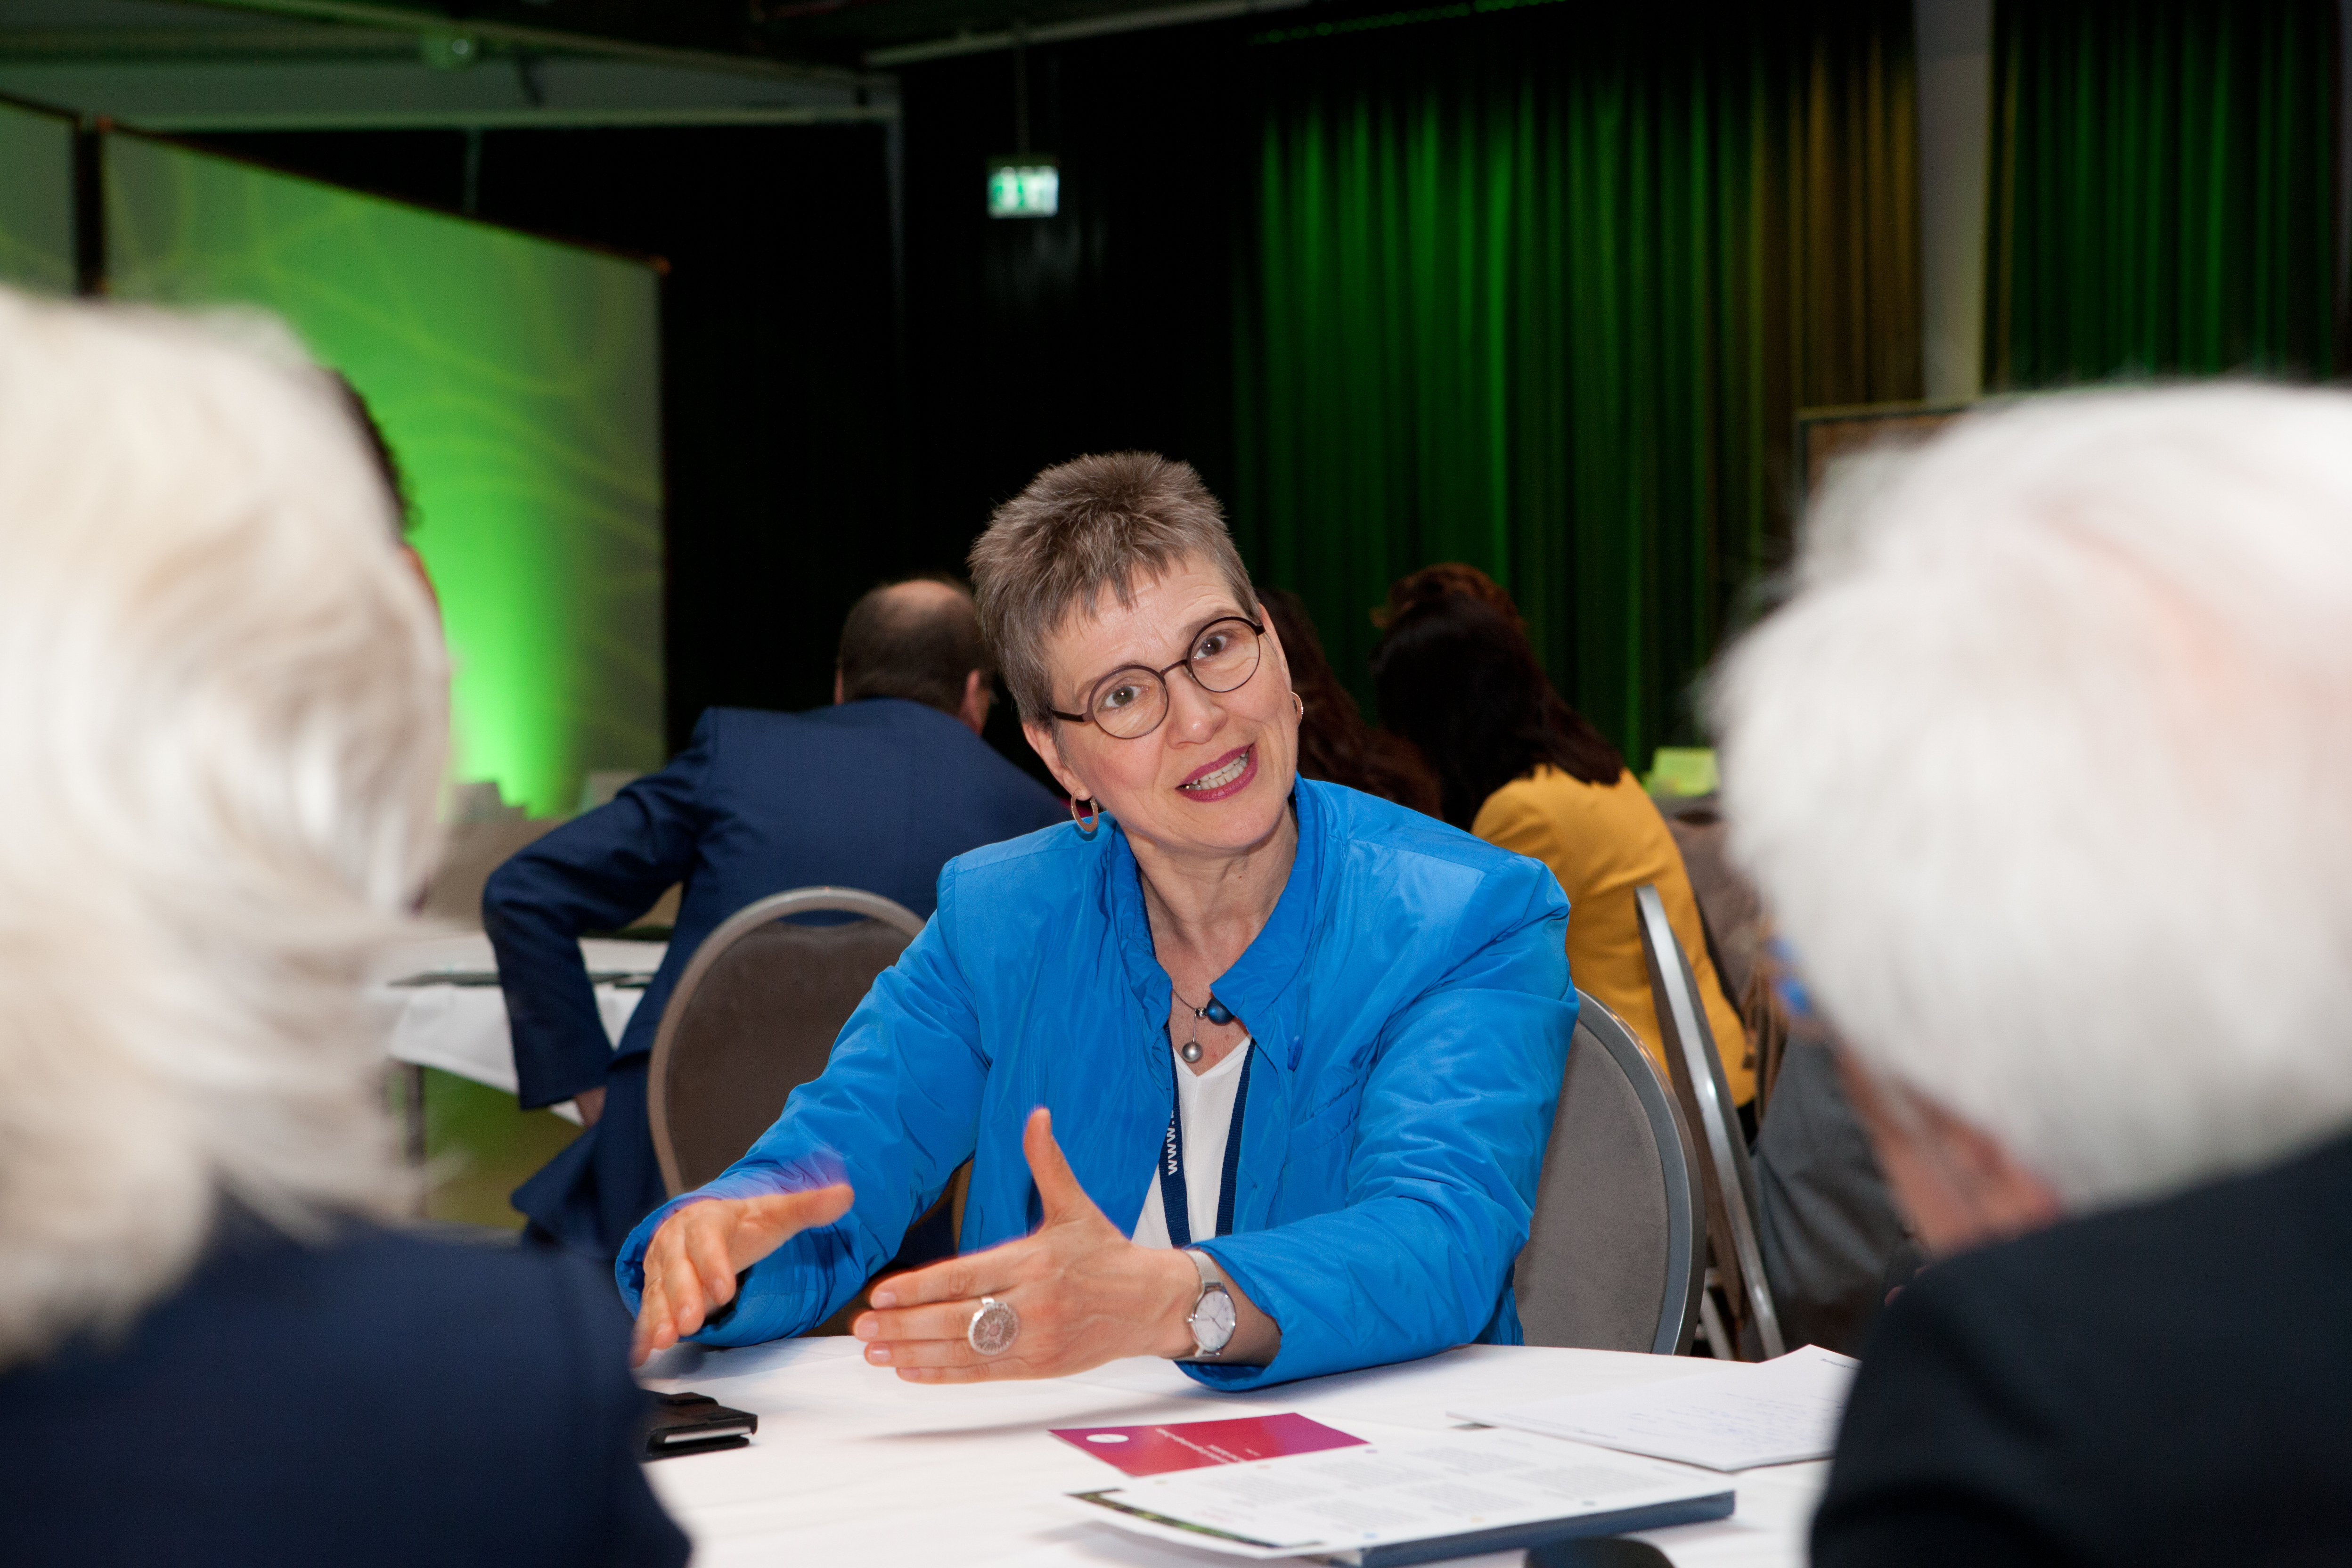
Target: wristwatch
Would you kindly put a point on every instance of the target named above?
(1212, 1319)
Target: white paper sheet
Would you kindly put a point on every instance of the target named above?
(1733, 1418)
(1403, 1487)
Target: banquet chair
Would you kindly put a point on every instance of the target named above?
(754, 1017)
(1731, 916)
(1726, 1176)
(1729, 908)
(1618, 1243)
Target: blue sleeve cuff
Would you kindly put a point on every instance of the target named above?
(1232, 1379)
(784, 1293)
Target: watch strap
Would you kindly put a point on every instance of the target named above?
(1212, 1279)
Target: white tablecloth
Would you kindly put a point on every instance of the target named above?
(851, 1466)
(462, 1030)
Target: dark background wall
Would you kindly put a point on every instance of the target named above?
(1103, 328)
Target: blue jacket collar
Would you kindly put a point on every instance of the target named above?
(1259, 987)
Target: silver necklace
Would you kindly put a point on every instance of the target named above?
(1216, 1012)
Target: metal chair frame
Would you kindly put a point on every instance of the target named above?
(1698, 1071)
(1680, 1298)
(732, 930)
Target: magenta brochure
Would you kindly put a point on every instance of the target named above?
(1189, 1444)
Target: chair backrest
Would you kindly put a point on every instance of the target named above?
(1617, 1251)
(754, 1017)
(1729, 907)
(1696, 1069)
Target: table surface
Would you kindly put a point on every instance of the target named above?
(462, 1030)
(851, 1466)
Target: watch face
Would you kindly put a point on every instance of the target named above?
(1213, 1319)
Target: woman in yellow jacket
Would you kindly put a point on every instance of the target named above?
(1520, 768)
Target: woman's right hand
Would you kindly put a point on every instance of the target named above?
(691, 1266)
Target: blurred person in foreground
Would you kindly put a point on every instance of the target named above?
(223, 718)
(876, 792)
(1520, 768)
(1255, 1072)
(2042, 770)
(1335, 744)
(396, 481)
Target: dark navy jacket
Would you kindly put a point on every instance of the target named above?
(382, 1399)
(2167, 1385)
(877, 794)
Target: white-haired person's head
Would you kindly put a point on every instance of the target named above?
(2044, 771)
(223, 714)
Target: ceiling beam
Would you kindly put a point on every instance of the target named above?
(419, 21)
(1062, 32)
(115, 44)
(206, 122)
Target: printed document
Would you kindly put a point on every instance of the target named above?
(1733, 1418)
(1399, 1497)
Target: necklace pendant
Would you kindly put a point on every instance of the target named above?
(1216, 1012)
(1189, 1050)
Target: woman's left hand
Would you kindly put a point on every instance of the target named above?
(1084, 1292)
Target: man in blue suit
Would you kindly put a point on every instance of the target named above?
(878, 792)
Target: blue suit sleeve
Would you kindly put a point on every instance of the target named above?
(594, 873)
(1448, 1146)
(894, 1113)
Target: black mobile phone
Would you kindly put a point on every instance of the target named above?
(694, 1423)
(1598, 1551)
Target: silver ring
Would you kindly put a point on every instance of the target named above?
(994, 1326)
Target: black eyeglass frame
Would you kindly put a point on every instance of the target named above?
(1257, 630)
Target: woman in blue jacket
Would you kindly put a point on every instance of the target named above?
(1254, 1072)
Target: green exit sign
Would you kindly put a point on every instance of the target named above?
(1028, 185)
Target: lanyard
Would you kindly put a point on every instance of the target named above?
(1174, 1200)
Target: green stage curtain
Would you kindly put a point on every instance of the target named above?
(2163, 189)
(1541, 290)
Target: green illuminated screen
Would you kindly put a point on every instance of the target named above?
(37, 226)
(517, 380)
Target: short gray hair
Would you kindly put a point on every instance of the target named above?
(2043, 771)
(1093, 525)
(223, 714)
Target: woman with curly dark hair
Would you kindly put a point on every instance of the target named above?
(1335, 744)
(1520, 768)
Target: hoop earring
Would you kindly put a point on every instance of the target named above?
(1091, 824)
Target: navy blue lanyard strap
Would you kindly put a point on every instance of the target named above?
(1174, 1200)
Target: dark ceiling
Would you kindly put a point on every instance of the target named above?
(838, 33)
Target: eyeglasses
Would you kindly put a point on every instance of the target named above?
(1129, 703)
